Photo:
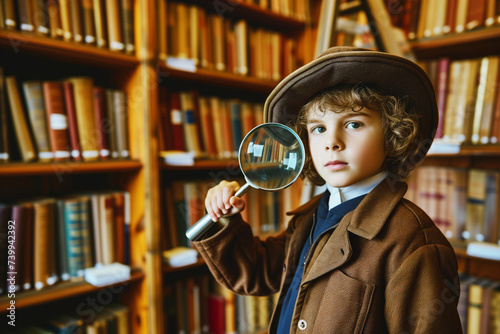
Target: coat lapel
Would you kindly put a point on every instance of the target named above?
(366, 221)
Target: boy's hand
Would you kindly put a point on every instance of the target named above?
(220, 200)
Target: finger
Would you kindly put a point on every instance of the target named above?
(227, 193)
(237, 203)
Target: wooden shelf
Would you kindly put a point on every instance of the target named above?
(476, 266)
(252, 13)
(38, 168)
(478, 156)
(75, 53)
(222, 79)
(204, 165)
(470, 44)
(59, 291)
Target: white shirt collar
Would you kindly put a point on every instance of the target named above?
(340, 195)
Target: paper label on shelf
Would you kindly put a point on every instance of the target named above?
(183, 64)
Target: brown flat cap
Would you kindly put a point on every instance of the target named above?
(392, 74)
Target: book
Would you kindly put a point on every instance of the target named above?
(75, 12)
(37, 118)
(463, 302)
(65, 20)
(44, 238)
(74, 236)
(461, 15)
(476, 14)
(54, 14)
(22, 216)
(5, 221)
(21, 127)
(69, 105)
(84, 110)
(88, 22)
(4, 128)
(190, 124)
(216, 314)
(207, 129)
(57, 120)
(103, 124)
(25, 15)
(475, 207)
(442, 92)
(114, 25)
(99, 12)
(60, 246)
(127, 25)
(475, 306)
(121, 213)
(120, 120)
(10, 18)
(487, 98)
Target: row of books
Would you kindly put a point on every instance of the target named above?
(208, 126)
(468, 99)
(425, 18)
(298, 9)
(110, 318)
(479, 305)
(214, 42)
(200, 305)
(463, 203)
(105, 24)
(185, 205)
(70, 119)
(48, 240)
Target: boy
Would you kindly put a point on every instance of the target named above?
(359, 258)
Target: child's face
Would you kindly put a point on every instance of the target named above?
(346, 147)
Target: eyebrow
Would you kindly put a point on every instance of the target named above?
(344, 114)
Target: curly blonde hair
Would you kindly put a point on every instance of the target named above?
(403, 137)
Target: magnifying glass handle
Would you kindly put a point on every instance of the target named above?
(199, 228)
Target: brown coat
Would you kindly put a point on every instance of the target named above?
(385, 269)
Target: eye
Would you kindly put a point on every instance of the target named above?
(318, 129)
(354, 125)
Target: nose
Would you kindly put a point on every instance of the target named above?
(334, 142)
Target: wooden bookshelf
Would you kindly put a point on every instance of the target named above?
(76, 53)
(204, 165)
(63, 290)
(217, 78)
(69, 167)
(470, 44)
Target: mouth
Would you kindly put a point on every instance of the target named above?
(335, 165)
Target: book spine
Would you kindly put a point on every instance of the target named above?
(74, 137)
(4, 128)
(121, 123)
(73, 238)
(114, 25)
(75, 12)
(102, 122)
(38, 121)
(88, 22)
(57, 120)
(20, 123)
(127, 14)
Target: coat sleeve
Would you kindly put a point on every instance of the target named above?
(422, 295)
(243, 263)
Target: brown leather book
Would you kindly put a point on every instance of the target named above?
(110, 107)
(476, 14)
(41, 18)
(22, 216)
(82, 92)
(119, 224)
(75, 13)
(21, 127)
(38, 122)
(69, 105)
(100, 23)
(102, 122)
(10, 19)
(57, 120)
(56, 30)
(449, 24)
(4, 128)
(127, 25)
(114, 25)
(44, 239)
(64, 11)
(25, 15)
(89, 31)
(121, 123)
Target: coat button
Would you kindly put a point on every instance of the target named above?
(302, 324)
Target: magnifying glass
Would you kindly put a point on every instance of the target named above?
(271, 157)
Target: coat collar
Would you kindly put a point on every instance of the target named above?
(365, 221)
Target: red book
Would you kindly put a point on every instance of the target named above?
(164, 134)
(69, 103)
(476, 14)
(177, 131)
(57, 120)
(103, 124)
(449, 25)
(216, 314)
